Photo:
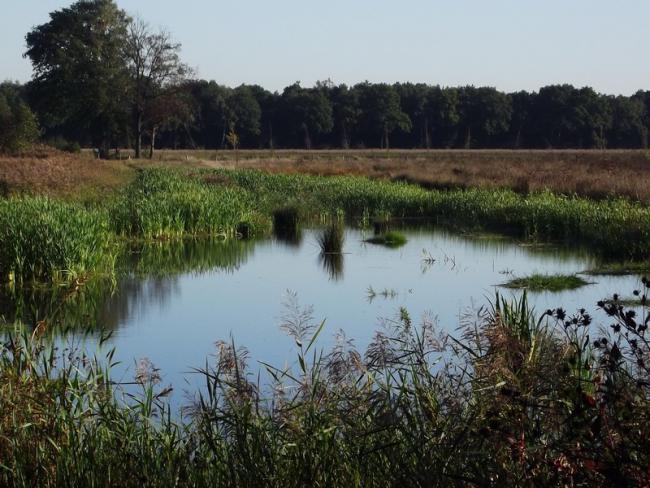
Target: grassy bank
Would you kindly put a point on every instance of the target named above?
(48, 239)
(512, 400)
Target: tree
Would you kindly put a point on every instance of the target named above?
(381, 112)
(345, 112)
(18, 125)
(244, 114)
(485, 113)
(80, 82)
(628, 129)
(155, 70)
(593, 118)
(307, 112)
(442, 112)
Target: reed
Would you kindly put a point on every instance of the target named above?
(510, 398)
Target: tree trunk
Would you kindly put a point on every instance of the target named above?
(468, 138)
(307, 138)
(386, 142)
(138, 135)
(345, 143)
(427, 138)
(270, 136)
(153, 141)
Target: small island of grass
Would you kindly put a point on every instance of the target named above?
(389, 239)
(554, 283)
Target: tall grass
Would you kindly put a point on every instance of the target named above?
(511, 400)
(616, 228)
(44, 239)
(164, 203)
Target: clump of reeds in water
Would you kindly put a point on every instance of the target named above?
(391, 239)
(331, 239)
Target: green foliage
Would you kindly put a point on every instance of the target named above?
(80, 76)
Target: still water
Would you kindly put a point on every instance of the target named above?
(179, 299)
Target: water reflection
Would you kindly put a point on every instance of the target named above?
(332, 263)
(147, 276)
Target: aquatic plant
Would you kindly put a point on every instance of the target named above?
(331, 239)
(391, 239)
(539, 282)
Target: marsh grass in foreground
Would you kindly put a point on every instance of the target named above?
(554, 283)
(512, 399)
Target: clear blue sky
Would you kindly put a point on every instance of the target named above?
(510, 44)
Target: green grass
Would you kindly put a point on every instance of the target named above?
(44, 239)
(390, 239)
(539, 282)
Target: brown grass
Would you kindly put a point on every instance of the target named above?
(594, 174)
(55, 173)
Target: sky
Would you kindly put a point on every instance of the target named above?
(509, 44)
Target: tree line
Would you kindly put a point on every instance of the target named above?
(104, 79)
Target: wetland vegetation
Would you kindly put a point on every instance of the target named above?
(119, 272)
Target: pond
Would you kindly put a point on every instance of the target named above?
(181, 298)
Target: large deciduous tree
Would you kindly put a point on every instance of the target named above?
(155, 72)
(80, 81)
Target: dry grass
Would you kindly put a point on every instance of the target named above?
(55, 173)
(594, 174)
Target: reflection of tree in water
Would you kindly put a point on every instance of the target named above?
(149, 278)
(332, 263)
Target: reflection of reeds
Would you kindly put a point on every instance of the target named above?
(333, 264)
(331, 255)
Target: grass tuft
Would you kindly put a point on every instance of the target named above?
(554, 283)
(390, 239)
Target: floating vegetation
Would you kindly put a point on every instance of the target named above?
(554, 283)
(390, 239)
